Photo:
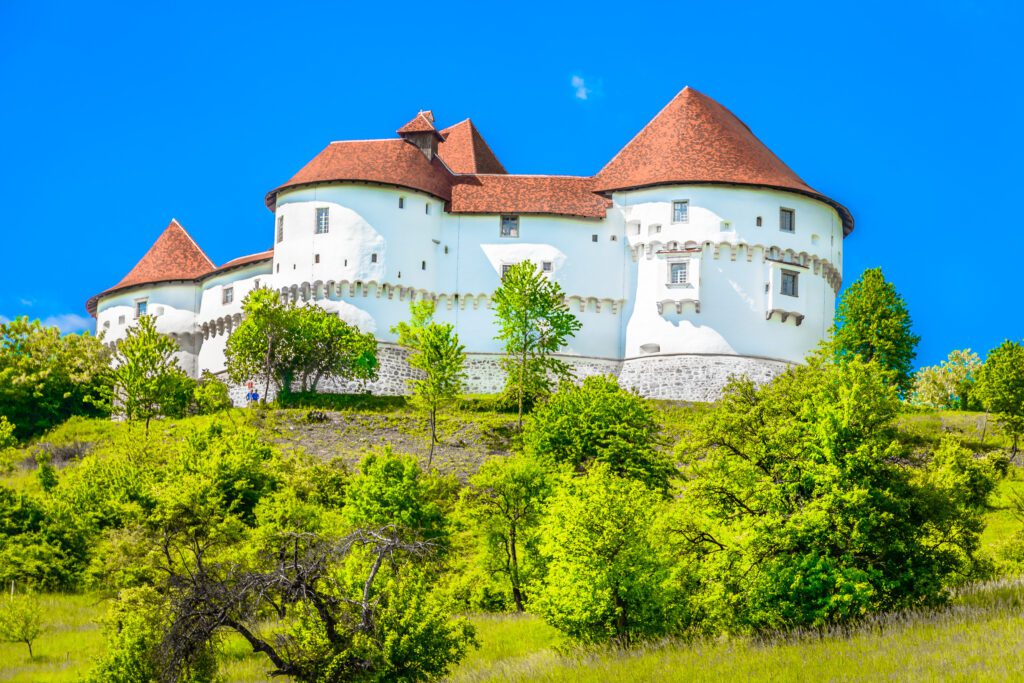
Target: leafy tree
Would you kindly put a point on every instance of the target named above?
(505, 501)
(801, 504)
(534, 322)
(45, 378)
(147, 378)
(285, 344)
(21, 620)
(947, 386)
(259, 346)
(41, 546)
(439, 358)
(211, 395)
(600, 422)
(872, 321)
(1000, 388)
(7, 438)
(607, 578)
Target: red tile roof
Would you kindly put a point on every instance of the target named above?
(559, 195)
(391, 162)
(421, 123)
(696, 140)
(245, 261)
(464, 150)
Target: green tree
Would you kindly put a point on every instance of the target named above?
(7, 438)
(607, 577)
(147, 378)
(285, 344)
(211, 395)
(872, 321)
(947, 386)
(439, 358)
(504, 501)
(45, 377)
(21, 619)
(801, 504)
(599, 421)
(534, 322)
(1000, 388)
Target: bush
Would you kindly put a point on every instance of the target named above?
(211, 395)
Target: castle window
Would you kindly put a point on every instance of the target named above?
(280, 228)
(426, 208)
(423, 265)
(789, 282)
(373, 258)
(593, 238)
(546, 266)
(681, 211)
(279, 267)
(316, 258)
(140, 308)
(106, 325)
(120, 320)
(678, 273)
(227, 295)
(787, 220)
(401, 202)
(323, 221)
(758, 222)
(505, 267)
(510, 226)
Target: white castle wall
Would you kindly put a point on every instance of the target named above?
(666, 341)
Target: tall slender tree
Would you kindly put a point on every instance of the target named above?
(148, 381)
(534, 322)
(439, 358)
(1001, 388)
(872, 321)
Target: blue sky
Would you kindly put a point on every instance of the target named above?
(116, 117)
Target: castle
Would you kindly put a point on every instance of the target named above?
(694, 254)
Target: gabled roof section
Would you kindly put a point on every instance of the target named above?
(696, 140)
(390, 162)
(174, 256)
(540, 194)
(464, 150)
(421, 123)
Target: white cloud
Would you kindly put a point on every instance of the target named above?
(26, 302)
(68, 322)
(582, 91)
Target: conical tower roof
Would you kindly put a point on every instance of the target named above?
(696, 140)
(174, 256)
(464, 150)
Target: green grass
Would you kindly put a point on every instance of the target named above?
(63, 651)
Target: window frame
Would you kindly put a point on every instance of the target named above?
(503, 271)
(685, 267)
(227, 295)
(141, 307)
(789, 276)
(784, 211)
(280, 229)
(513, 233)
(685, 204)
(323, 227)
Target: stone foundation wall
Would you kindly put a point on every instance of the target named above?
(682, 377)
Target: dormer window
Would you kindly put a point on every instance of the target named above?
(787, 220)
(140, 308)
(227, 295)
(681, 211)
(323, 221)
(280, 228)
(510, 226)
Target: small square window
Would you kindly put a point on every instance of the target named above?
(227, 295)
(373, 258)
(614, 238)
(280, 228)
(789, 282)
(657, 228)
(140, 308)
(758, 222)
(593, 238)
(681, 211)
(323, 221)
(787, 220)
(401, 202)
(120, 320)
(509, 226)
(316, 258)
(546, 266)
(678, 273)
(505, 267)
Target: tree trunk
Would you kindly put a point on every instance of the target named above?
(433, 435)
(266, 369)
(522, 387)
(30, 655)
(621, 622)
(517, 593)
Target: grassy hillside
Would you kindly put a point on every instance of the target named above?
(979, 637)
